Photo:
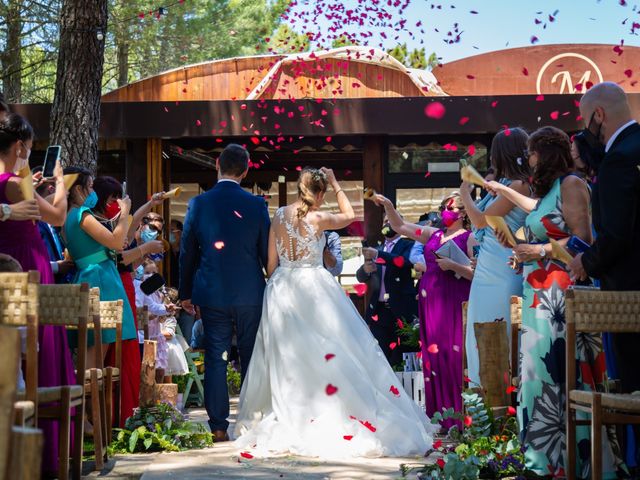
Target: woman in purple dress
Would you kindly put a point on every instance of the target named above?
(21, 240)
(443, 287)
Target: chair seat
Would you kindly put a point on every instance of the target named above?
(115, 372)
(53, 394)
(26, 408)
(87, 374)
(624, 402)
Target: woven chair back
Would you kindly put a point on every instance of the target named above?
(63, 304)
(111, 313)
(593, 310)
(142, 317)
(516, 310)
(18, 297)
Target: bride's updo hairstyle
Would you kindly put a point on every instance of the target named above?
(310, 183)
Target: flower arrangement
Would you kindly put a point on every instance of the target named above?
(486, 447)
(159, 428)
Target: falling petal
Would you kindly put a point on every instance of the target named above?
(330, 389)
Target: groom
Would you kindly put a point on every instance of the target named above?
(222, 253)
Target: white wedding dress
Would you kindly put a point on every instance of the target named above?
(318, 383)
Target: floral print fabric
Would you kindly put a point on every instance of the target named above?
(541, 396)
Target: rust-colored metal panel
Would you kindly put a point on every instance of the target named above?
(544, 69)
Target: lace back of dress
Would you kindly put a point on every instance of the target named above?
(296, 239)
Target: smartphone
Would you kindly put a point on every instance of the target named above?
(577, 245)
(152, 284)
(124, 189)
(50, 159)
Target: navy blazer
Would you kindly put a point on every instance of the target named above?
(398, 281)
(224, 248)
(615, 255)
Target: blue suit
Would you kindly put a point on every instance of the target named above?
(222, 254)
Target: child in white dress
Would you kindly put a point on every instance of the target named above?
(162, 327)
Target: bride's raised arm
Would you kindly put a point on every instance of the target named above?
(336, 221)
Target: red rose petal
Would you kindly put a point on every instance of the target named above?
(433, 348)
(380, 261)
(437, 444)
(246, 455)
(394, 390)
(237, 214)
(511, 389)
(511, 411)
(360, 288)
(463, 120)
(399, 323)
(374, 318)
(435, 110)
(468, 420)
(348, 437)
(398, 261)
(393, 345)
(554, 115)
(329, 356)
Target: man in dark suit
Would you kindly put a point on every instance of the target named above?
(614, 258)
(222, 254)
(392, 294)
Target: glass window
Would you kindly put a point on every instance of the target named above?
(435, 158)
(414, 202)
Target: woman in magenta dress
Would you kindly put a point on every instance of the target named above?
(21, 240)
(443, 287)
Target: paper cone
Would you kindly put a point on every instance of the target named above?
(520, 235)
(173, 193)
(26, 187)
(369, 193)
(25, 172)
(559, 252)
(130, 221)
(471, 175)
(69, 180)
(499, 225)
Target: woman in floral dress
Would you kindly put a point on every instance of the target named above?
(560, 210)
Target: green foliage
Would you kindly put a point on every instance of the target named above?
(234, 380)
(181, 381)
(159, 428)
(286, 40)
(485, 448)
(410, 333)
(415, 58)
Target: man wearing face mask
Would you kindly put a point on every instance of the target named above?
(392, 294)
(614, 140)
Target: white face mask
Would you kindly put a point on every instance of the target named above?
(21, 163)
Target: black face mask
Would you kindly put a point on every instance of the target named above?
(595, 149)
(387, 231)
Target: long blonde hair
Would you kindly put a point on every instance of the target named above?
(310, 183)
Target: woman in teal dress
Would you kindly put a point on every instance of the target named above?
(560, 210)
(92, 247)
(494, 282)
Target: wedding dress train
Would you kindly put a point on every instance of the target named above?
(318, 383)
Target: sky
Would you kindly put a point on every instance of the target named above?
(496, 25)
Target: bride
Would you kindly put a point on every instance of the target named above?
(318, 383)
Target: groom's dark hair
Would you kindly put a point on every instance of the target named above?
(234, 160)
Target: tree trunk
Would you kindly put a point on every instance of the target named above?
(12, 56)
(123, 63)
(75, 114)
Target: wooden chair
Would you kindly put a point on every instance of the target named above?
(10, 347)
(594, 311)
(142, 319)
(516, 328)
(111, 317)
(66, 305)
(19, 308)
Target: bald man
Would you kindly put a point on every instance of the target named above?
(614, 258)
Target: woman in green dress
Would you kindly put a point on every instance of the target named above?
(93, 248)
(560, 210)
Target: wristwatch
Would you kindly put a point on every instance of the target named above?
(543, 252)
(6, 211)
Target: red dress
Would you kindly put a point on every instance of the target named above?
(131, 362)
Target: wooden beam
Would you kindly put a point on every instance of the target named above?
(373, 177)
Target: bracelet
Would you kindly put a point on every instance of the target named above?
(339, 190)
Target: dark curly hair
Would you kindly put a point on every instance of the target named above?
(553, 148)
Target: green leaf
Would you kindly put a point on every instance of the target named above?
(133, 440)
(147, 443)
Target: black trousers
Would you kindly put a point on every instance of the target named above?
(385, 331)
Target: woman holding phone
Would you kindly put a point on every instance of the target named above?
(22, 241)
(108, 212)
(443, 287)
